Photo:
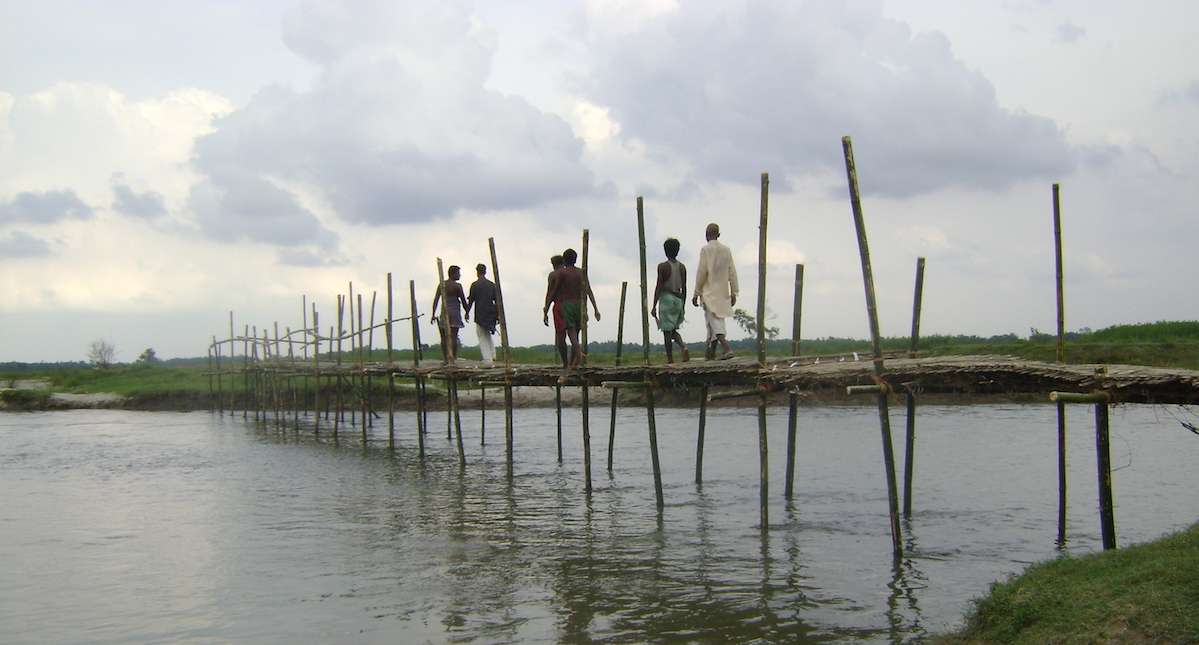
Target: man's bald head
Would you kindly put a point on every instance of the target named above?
(712, 232)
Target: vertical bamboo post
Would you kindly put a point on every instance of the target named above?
(482, 415)
(909, 456)
(447, 340)
(872, 312)
(340, 335)
(583, 361)
(651, 421)
(418, 381)
(624, 289)
(586, 438)
(457, 420)
(793, 397)
(1061, 359)
(364, 396)
(797, 311)
(391, 380)
(762, 270)
(699, 440)
(558, 409)
(499, 304)
(763, 439)
(316, 371)
(1103, 452)
(508, 432)
(644, 278)
(584, 318)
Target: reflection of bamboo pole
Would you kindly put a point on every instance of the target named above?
(457, 420)
(872, 312)
(624, 289)
(653, 445)
(508, 433)
(909, 455)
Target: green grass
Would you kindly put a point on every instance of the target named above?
(138, 380)
(1140, 594)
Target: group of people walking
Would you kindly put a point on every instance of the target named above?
(716, 289)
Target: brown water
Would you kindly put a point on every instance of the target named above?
(127, 527)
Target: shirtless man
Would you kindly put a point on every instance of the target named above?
(566, 287)
(671, 294)
(455, 304)
(559, 323)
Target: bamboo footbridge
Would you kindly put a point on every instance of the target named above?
(959, 375)
(307, 370)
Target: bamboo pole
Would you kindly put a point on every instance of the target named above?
(793, 396)
(558, 409)
(316, 371)
(418, 382)
(1103, 452)
(447, 341)
(762, 269)
(1061, 359)
(457, 421)
(653, 447)
(763, 438)
(391, 381)
(872, 313)
(644, 277)
(651, 421)
(624, 289)
(699, 439)
(508, 431)
(583, 319)
(586, 391)
(499, 304)
(909, 455)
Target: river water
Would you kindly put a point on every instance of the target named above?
(140, 527)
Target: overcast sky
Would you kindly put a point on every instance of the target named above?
(165, 164)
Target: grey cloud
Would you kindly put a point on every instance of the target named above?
(774, 87)
(148, 205)
(398, 126)
(236, 209)
(45, 208)
(19, 244)
(1068, 32)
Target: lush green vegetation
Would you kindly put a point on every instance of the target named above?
(1164, 344)
(1140, 594)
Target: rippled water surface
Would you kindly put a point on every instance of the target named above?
(134, 527)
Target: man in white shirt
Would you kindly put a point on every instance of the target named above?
(716, 286)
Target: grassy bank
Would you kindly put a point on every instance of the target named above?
(1163, 344)
(1146, 593)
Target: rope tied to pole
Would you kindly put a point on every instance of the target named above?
(883, 386)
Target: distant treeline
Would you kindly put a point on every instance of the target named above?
(1175, 341)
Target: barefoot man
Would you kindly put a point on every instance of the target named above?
(671, 294)
(716, 286)
(566, 287)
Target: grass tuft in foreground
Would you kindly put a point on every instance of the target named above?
(1148, 593)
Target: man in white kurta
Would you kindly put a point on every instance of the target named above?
(716, 290)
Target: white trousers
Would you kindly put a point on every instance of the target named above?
(486, 344)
